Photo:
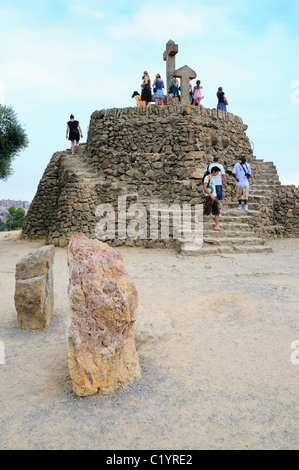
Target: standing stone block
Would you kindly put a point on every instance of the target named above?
(34, 293)
(103, 304)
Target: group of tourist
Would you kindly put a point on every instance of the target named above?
(213, 181)
(146, 96)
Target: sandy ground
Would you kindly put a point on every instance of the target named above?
(218, 376)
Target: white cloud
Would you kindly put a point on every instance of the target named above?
(162, 21)
(83, 10)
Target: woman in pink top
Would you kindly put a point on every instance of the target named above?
(197, 97)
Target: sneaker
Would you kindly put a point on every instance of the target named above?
(240, 207)
(246, 208)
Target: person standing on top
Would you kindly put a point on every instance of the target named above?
(174, 90)
(158, 94)
(197, 96)
(222, 101)
(146, 94)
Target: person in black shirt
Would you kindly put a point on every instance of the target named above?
(73, 132)
(222, 101)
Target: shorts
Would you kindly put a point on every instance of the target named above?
(219, 192)
(221, 106)
(211, 207)
(159, 94)
(242, 193)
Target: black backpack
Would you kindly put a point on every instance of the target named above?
(206, 173)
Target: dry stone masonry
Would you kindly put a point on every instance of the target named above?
(159, 154)
(34, 293)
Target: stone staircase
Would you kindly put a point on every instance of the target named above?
(76, 164)
(238, 235)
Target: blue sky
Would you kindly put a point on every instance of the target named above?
(71, 56)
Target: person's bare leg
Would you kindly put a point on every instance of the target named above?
(197, 217)
(73, 147)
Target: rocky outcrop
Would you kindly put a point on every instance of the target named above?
(34, 292)
(103, 303)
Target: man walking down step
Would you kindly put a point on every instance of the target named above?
(211, 204)
(218, 179)
(241, 173)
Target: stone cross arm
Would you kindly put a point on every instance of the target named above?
(171, 49)
(185, 72)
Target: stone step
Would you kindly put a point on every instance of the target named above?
(257, 191)
(268, 185)
(227, 233)
(253, 198)
(266, 170)
(194, 250)
(226, 225)
(267, 182)
(234, 241)
(214, 236)
(235, 212)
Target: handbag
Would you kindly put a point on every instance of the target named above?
(155, 89)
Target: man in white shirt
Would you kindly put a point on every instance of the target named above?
(241, 173)
(211, 204)
(218, 179)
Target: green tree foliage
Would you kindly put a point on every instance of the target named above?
(2, 226)
(15, 218)
(12, 140)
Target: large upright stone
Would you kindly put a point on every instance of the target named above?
(103, 303)
(34, 293)
(169, 56)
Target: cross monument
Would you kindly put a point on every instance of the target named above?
(169, 55)
(185, 74)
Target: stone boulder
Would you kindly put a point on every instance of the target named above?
(103, 304)
(34, 292)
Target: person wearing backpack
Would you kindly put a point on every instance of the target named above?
(211, 204)
(221, 177)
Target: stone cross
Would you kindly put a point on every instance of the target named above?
(169, 56)
(185, 74)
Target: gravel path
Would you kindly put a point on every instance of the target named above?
(217, 365)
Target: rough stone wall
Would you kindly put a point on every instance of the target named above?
(286, 210)
(146, 154)
(164, 151)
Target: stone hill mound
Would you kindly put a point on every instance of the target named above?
(157, 155)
